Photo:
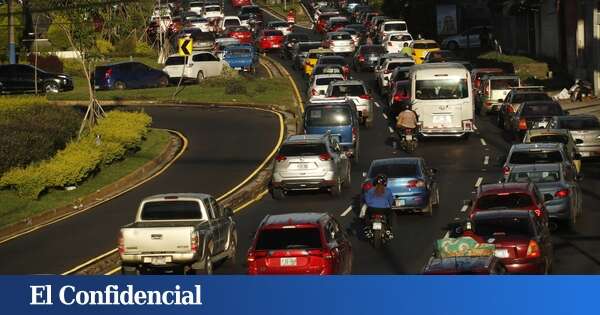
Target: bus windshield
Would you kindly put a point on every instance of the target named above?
(441, 89)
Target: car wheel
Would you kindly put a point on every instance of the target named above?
(453, 45)
(119, 85)
(436, 202)
(428, 210)
(348, 178)
(336, 190)
(200, 77)
(208, 267)
(278, 193)
(51, 87)
(163, 82)
(230, 260)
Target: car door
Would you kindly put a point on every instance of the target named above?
(338, 157)
(25, 77)
(214, 227)
(574, 189)
(221, 221)
(214, 65)
(334, 248)
(344, 245)
(8, 77)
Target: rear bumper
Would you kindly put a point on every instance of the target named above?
(589, 151)
(560, 210)
(431, 133)
(173, 260)
(342, 49)
(411, 202)
(523, 266)
(304, 184)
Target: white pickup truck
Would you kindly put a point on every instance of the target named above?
(178, 233)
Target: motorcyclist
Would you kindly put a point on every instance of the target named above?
(379, 199)
(407, 119)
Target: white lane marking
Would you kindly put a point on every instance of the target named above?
(391, 130)
(483, 141)
(446, 235)
(464, 208)
(377, 104)
(486, 160)
(347, 211)
(475, 126)
(384, 116)
(479, 181)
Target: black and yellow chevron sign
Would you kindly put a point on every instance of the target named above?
(185, 46)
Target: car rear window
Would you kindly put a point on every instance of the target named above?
(303, 149)
(504, 201)
(326, 81)
(526, 157)
(206, 36)
(347, 90)
(535, 176)
(332, 60)
(549, 139)
(307, 47)
(171, 210)
(278, 24)
(329, 116)
(231, 22)
(400, 38)
(510, 226)
(273, 33)
(394, 65)
(426, 45)
(441, 54)
(542, 109)
(528, 97)
(295, 238)
(248, 10)
(174, 61)
(372, 49)
(580, 124)
(504, 84)
(333, 69)
(212, 9)
(394, 27)
(340, 37)
(395, 170)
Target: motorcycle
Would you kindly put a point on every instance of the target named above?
(377, 230)
(579, 90)
(408, 140)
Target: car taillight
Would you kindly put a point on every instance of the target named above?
(367, 186)
(361, 58)
(506, 170)
(108, 73)
(314, 92)
(522, 124)
(365, 97)
(533, 250)
(400, 97)
(253, 255)
(562, 193)
(280, 158)
(537, 212)
(415, 183)
(325, 157)
(477, 83)
(354, 134)
(121, 242)
(194, 240)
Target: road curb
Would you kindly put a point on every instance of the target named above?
(106, 193)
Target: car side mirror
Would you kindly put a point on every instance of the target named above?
(578, 141)
(548, 197)
(228, 212)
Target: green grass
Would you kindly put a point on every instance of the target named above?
(13, 102)
(513, 59)
(278, 8)
(14, 208)
(260, 91)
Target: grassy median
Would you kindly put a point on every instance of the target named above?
(14, 208)
(301, 17)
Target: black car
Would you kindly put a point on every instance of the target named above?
(513, 101)
(534, 115)
(289, 41)
(254, 10)
(22, 77)
(126, 75)
(366, 57)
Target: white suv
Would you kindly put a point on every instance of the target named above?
(199, 65)
(391, 26)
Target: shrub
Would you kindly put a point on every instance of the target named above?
(16, 102)
(142, 49)
(229, 73)
(125, 47)
(56, 36)
(48, 63)
(236, 87)
(104, 47)
(72, 67)
(82, 158)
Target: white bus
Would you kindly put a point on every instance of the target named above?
(441, 94)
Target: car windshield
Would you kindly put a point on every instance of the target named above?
(307, 47)
(535, 176)
(504, 84)
(504, 201)
(391, 27)
(510, 226)
(549, 139)
(347, 90)
(303, 149)
(400, 38)
(590, 123)
(441, 89)
(326, 81)
(249, 10)
(278, 24)
(171, 210)
(174, 61)
(425, 46)
(328, 70)
(325, 117)
(528, 97)
(340, 37)
(332, 61)
(231, 22)
(441, 54)
(273, 33)
(542, 109)
(290, 238)
(402, 74)
(395, 170)
(535, 157)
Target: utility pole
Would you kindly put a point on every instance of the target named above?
(12, 58)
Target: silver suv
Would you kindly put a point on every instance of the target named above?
(537, 153)
(357, 91)
(310, 162)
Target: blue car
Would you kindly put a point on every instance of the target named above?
(410, 180)
(337, 118)
(241, 57)
(128, 75)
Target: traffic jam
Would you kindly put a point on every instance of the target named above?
(353, 65)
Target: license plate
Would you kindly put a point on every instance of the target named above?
(399, 202)
(442, 119)
(377, 226)
(408, 137)
(373, 58)
(276, 46)
(288, 261)
(158, 260)
(302, 166)
(542, 124)
(501, 253)
(238, 68)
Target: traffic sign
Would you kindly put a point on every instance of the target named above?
(185, 46)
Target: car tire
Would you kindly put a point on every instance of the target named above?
(129, 271)
(51, 87)
(436, 202)
(163, 82)
(278, 194)
(452, 45)
(348, 178)
(466, 136)
(120, 85)
(336, 189)
(200, 77)
(428, 210)
(230, 260)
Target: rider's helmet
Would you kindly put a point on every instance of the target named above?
(380, 179)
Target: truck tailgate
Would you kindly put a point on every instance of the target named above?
(157, 240)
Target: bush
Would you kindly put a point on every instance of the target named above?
(16, 102)
(125, 47)
(48, 63)
(236, 87)
(80, 159)
(104, 47)
(142, 49)
(72, 67)
(34, 133)
(56, 36)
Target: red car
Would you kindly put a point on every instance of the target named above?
(523, 196)
(270, 39)
(240, 3)
(243, 34)
(522, 238)
(321, 23)
(300, 243)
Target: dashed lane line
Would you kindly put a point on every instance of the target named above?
(464, 208)
(483, 141)
(479, 181)
(486, 160)
(391, 130)
(346, 211)
(384, 116)
(377, 104)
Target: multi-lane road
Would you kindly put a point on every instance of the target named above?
(225, 145)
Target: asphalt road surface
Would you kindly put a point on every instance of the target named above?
(225, 146)
(461, 163)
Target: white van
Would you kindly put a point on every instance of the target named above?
(200, 65)
(391, 26)
(442, 96)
